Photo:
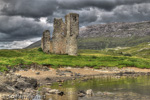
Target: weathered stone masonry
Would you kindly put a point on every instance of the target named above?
(64, 40)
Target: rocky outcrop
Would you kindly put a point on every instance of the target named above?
(119, 30)
(15, 83)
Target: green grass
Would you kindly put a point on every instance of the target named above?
(102, 42)
(141, 50)
(86, 58)
(3, 68)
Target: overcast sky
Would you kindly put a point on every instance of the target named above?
(25, 20)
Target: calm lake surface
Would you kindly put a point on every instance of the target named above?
(108, 88)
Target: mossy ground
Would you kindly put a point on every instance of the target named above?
(89, 58)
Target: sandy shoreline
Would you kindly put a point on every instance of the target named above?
(53, 75)
(46, 77)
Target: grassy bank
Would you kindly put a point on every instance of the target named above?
(89, 58)
(141, 50)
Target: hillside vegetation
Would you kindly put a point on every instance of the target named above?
(137, 56)
(111, 35)
(98, 43)
(141, 50)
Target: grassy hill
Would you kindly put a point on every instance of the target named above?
(111, 35)
(97, 43)
(142, 50)
(137, 56)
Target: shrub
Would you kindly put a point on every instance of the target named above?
(3, 68)
(127, 54)
(94, 57)
(17, 61)
(96, 67)
(40, 49)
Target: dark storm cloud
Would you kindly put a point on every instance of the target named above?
(58, 8)
(20, 19)
(78, 4)
(102, 4)
(43, 8)
(17, 28)
(128, 13)
(87, 15)
(29, 8)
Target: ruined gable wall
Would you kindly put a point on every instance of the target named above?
(67, 21)
(59, 37)
(46, 41)
(51, 47)
(42, 43)
(72, 24)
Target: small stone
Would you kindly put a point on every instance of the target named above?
(18, 76)
(37, 73)
(49, 83)
(20, 92)
(25, 69)
(61, 93)
(68, 74)
(53, 91)
(58, 80)
(47, 79)
(89, 92)
(81, 94)
(77, 74)
(12, 97)
(60, 84)
(62, 81)
(45, 90)
(73, 78)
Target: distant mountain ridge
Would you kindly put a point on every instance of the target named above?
(102, 36)
(120, 30)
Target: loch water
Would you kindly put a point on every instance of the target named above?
(105, 88)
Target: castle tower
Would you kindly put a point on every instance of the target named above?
(45, 42)
(59, 37)
(64, 40)
(72, 27)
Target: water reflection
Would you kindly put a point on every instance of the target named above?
(109, 88)
(70, 94)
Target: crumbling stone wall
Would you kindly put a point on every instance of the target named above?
(59, 37)
(45, 44)
(64, 40)
(72, 24)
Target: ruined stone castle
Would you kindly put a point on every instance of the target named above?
(64, 37)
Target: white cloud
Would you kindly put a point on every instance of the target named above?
(17, 44)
